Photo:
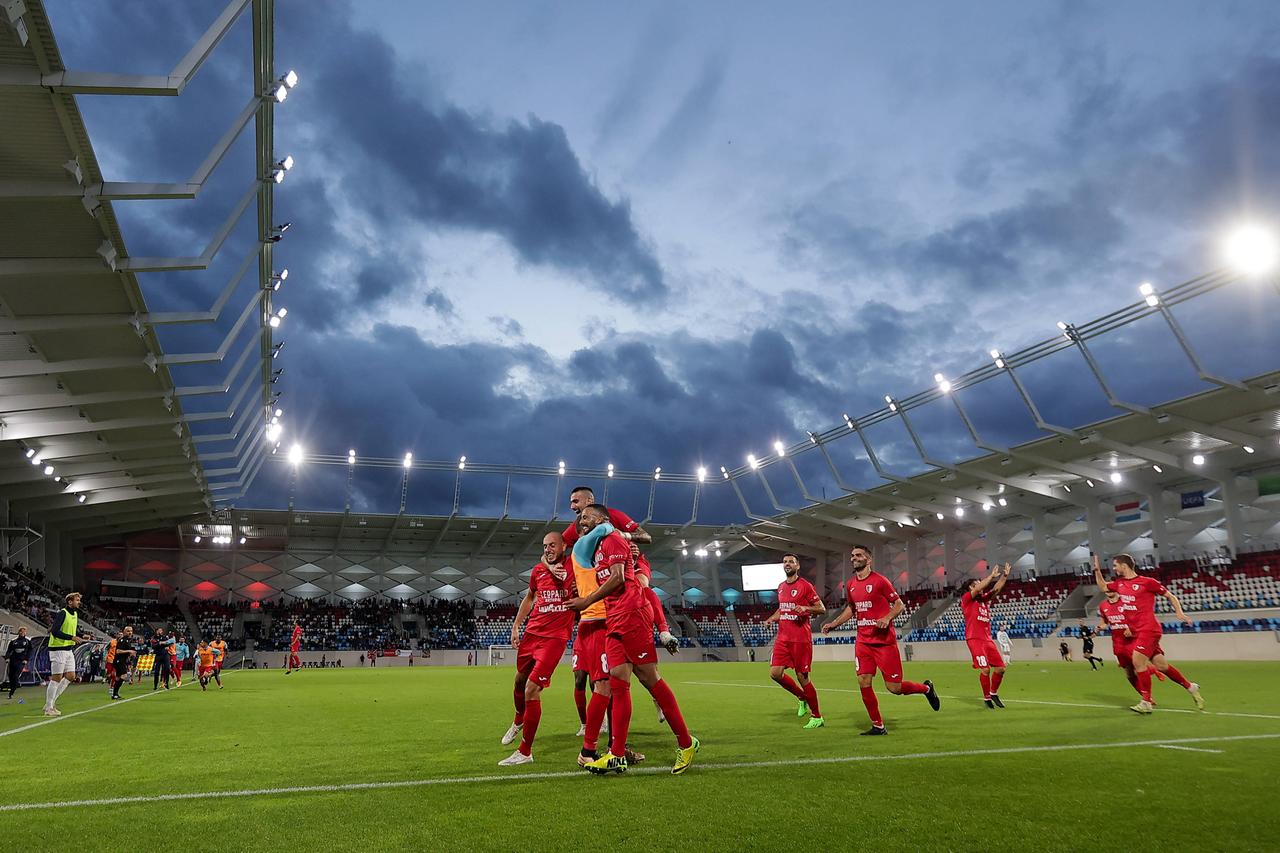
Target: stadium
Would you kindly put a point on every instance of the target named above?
(933, 506)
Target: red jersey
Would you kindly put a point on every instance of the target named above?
(793, 599)
(871, 599)
(1138, 596)
(612, 551)
(621, 522)
(977, 615)
(550, 617)
(296, 640)
(1113, 613)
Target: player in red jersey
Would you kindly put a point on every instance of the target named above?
(975, 603)
(539, 651)
(628, 647)
(876, 604)
(580, 498)
(798, 602)
(1113, 619)
(1138, 598)
(295, 649)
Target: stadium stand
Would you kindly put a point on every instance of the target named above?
(751, 624)
(213, 618)
(712, 625)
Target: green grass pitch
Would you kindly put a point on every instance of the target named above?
(965, 778)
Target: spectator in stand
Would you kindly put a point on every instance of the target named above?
(17, 655)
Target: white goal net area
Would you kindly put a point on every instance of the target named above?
(499, 655)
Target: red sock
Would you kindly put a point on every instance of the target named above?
(811, 696)
(580, 699)
(985, 680)
(519, 697)
(1144, 684)
(873, 706)
(671, 710)
(1178, 678)
(910, 688)
(1132, 676)
(996, 678)
(659, 618)
(595, 718)
(621, 718)
(532, 714)
(789, 684)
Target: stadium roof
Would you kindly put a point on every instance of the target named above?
(85, 386)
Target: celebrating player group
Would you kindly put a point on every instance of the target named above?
(593, 576)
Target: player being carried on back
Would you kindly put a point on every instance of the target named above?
(876, 604)
(1138, 599)
(628, 645)
(975, 604)
(798, 602)
(551, 585)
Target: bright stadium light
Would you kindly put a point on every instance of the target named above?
(997, 358)
(1252, 250)
(657, 473)
(281, 92)
(30, 452)
(462, 463)
(48, 470)
(277, 175)
(196, 539)
(408, 460)
(290, 79)
(702, 474)
(780, 448)
(296, 454)
(1198, 459)
(943, 385)
(751, 460)
(848, 421)
(684, 552)
(1002, 502)
(1157, 469)
(351, 456)
(988, 506)
(1247, 449)
(718, 553)
(609, 471)
(1115, 477)
(941, 516)
(959, 512)
(286, 163)
(561, 467)
(1065, 486)
(243, 540)
(37, 459)
(81, 498)
(724, 472)
(701, 552)
(1089, 482)
(893, 407)
(274, 322)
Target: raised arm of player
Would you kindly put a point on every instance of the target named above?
(1177, 607)
(640, 536)
(845, 616)
(984, 582)
(526, 607)
(1097, 574)
(1003, 578)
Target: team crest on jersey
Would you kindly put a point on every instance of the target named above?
(870, 587)
(793, 593)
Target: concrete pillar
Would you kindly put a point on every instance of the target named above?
(948, 558)
(1040, 542)
(1231, 509)
(1159, 530)
(1093, 518)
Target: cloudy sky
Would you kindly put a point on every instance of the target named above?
(666, 234)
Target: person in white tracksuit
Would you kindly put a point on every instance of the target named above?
(1005, 644)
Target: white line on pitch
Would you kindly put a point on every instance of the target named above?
(49, 720)
(567, 774)
(1014, 701)
(1186, 748)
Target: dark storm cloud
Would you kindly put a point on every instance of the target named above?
(406, 154)
(437, 301)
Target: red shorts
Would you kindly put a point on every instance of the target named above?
(206, 671)
(793, 654)
(985, 653)
(883, 657)
(588, 650)
(1148, 643)
(629, 639)
(539, 656)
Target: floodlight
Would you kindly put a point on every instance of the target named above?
(1247, 449)
(1115, 477)
(196, 540)
(296, 454)
(751, 460)
(286, 163)
(1157, 469)
(243, 540)
(882, 528)
(408, 460)
(702, 475)
(657, 473)
(1252, 250)
(290, 79)
(609, 471)
(48, 469)
(943, 385)
(30, 452)
(1198, 459)
(940, 516)
(997, 358)
(959, 512)
(274, 322)
(1002, 502)
(281, 92)
(462, 463)
(780, 448)
(82, 498)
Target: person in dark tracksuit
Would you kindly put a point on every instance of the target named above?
(17, 655)
(159, 644)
